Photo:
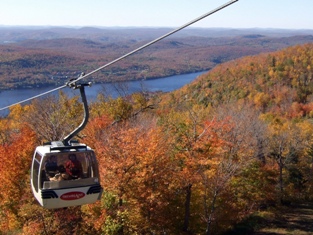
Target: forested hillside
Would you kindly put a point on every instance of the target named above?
(39, 58)
(199, 160)
(276, 83)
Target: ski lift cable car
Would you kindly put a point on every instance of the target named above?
(65, 173)
(55, 181)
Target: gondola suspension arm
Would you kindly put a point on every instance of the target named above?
(81, 87)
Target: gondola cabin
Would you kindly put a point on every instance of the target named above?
(63, 176)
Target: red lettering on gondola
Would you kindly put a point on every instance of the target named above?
(72, 196)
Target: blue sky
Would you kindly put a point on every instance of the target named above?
(287, 14)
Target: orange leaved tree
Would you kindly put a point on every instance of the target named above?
(15, 162)
(136, 173)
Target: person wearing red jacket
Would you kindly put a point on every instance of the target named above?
(73, 167)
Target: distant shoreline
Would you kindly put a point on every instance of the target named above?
(165, 84)
(46, 85)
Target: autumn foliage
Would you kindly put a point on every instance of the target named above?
(195, 161)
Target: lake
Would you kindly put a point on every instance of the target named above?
(165, 84)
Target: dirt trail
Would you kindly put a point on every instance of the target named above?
(297, 219)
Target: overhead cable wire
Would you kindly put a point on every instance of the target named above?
(34, 97)
(130, 53)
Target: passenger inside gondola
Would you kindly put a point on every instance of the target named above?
(74, 167)
(61, 175)
(69, 169)
(51, 166)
